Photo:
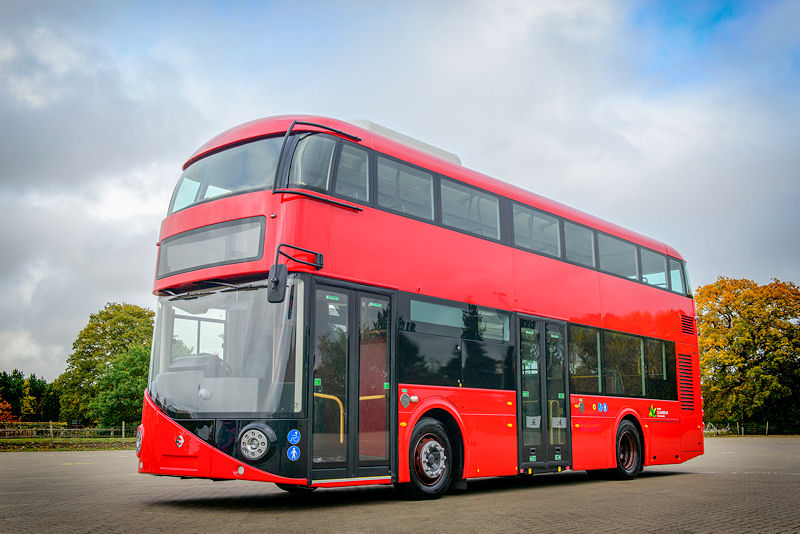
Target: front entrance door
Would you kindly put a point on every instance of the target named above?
(544, 419)
(350, 355)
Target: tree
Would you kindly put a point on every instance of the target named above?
(749, 338)
(121, 386)
(109, 333)
(12, 389)
(5, 411)
(34, 392)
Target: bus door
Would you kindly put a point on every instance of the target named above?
(350, 383)
(544, 437)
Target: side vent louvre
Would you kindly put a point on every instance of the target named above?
(685, 386)
(687, 325)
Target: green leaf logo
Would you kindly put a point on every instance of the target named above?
(652, 411)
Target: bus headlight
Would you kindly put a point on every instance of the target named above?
(256, 442)
(139, 438)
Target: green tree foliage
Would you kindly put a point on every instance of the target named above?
(120, 388)
(29, 399)
(109, 333)
(749, 337)
(12, 389)
(34, 392)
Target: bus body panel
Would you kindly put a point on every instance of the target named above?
(486, 420)
(161, 455)
(661, 422)
(379, 248)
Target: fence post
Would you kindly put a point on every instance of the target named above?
(51, 433)
(123, 433)
(767, 432)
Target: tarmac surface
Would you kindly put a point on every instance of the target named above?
(749, 484)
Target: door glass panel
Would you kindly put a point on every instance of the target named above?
(330, 377)
(373, 387)
(556, 387)
(530, 385)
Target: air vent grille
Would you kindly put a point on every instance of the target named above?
(687, 325)
(685, 383)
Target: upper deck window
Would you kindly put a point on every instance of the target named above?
(470, 209)
(618, 256)
(246, 167)
(311, 164)
(654, 268)
(579, 244)
(352, 174)
(405, 189)
(537, 231)
(676, 276)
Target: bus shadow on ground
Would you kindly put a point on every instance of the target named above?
(345, 497)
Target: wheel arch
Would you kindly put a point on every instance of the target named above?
(633, 417)
(455, 434)
(629, 414)
(441, 410)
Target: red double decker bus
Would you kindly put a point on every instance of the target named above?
(339, 305)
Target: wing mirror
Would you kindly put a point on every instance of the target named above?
(276, 283)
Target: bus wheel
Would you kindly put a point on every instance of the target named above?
(629, 451)
(295, 489)
(431, 460)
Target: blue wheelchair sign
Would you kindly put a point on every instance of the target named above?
(294, 436)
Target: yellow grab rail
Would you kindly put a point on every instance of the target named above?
(341, 408)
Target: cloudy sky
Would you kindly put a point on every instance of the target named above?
(680, 120)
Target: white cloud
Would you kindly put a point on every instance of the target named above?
(98, 113)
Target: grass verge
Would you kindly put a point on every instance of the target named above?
(65, 444)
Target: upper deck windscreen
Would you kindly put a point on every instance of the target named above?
(246, 167)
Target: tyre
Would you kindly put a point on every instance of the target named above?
(629, 451)
(430, 461)
(294, 489)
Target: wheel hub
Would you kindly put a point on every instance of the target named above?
(432, 459)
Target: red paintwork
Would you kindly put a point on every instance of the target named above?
(195, 458)
(486, 418)
(594, 432)
(377, 248)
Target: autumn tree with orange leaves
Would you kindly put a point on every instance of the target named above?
(749, 337)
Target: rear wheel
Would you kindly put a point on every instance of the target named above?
(629, 451)
(430, 461)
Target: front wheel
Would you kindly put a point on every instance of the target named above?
(629, 451)
(430, 460)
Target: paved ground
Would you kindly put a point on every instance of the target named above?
(740, 485)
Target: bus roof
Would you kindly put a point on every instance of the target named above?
(426, 158)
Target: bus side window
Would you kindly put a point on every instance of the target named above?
(352, 173)
(537, 231)
(405, 189)
(654, 268)
(584, 360)
(579, 244)
(676, 276)
(618, 256)
(311, 163)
